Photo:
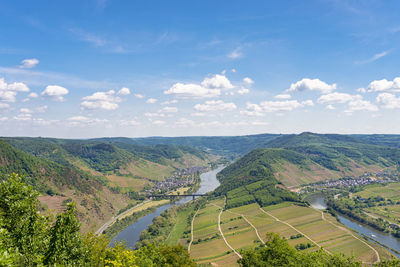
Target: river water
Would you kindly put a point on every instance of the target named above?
(317, 201)
(131, 234)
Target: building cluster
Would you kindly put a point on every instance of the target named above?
(180, 178)
(367, 178)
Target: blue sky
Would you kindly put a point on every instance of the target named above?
(80, 69)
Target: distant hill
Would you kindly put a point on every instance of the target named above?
(222, 145)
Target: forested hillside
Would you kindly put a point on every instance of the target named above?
(96, 175)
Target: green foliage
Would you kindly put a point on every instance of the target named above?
(277, 252)
(30, 239)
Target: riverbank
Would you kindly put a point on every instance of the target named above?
(131, 234)
(366, 232)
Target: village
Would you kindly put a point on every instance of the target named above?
(180, 178)
(364, 179)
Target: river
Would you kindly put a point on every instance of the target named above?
(131, 234)
(317, 202)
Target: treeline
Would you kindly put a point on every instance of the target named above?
(353, 208)
(28, 238)
(278, 252)
(162, 225)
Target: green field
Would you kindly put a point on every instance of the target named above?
(239, 227)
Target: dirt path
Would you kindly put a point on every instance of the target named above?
(378, 259)
(191, 230)
(113, 219)
(255, 229)
(291, 226)
(222, 234)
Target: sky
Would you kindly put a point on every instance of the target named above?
(96, 68)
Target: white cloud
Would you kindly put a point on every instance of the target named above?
(330, 107)
(8, 96)
(311, 85)
(29, 63)
(385, 85)
(55, 92)
(209, 87)
(243, 91)
(84, 121)
(151, 101)
(8, 92)
(252, 110)
(140, 96)
(374, 57)
(124, 91)
(361, 90)
(191, 90)
(248, 80)
(334, 98)
(169, 110)
(259, 123)
(102, 100)
(283, 96)
(215, 105)
(273, 106)
(41, 109)
(174, 101)
(388, 101)
(235, 54)
(23, 117)
(361, 105)
(25, 110)
(307, 103)
(217, 82)
(132, 122)
(18, 87)
(33, 95)
(3, 118)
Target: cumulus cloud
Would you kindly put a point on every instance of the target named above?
(151, 101)
(362, 90)
(124, 91)
(9, 91)
(360, 105)
(3, 118)
(248, 80)
(385, 85)
(29, 63)
(215, 105)
(55, 92)
(283, 96)
(334, 98)
(311, 85)
(388, 101)
(140, 96)
(33, 95)
(252, 110)
(243, 91)
(217, 82)
(208, 88)
(191, 90)
(274, 106)
(330, 107)
(101, 100)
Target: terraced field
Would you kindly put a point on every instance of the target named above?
(246, 226)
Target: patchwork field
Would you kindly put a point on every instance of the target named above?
(246, 226)
(390, 190)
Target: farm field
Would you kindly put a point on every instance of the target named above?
(390, 190)
(246, 227)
